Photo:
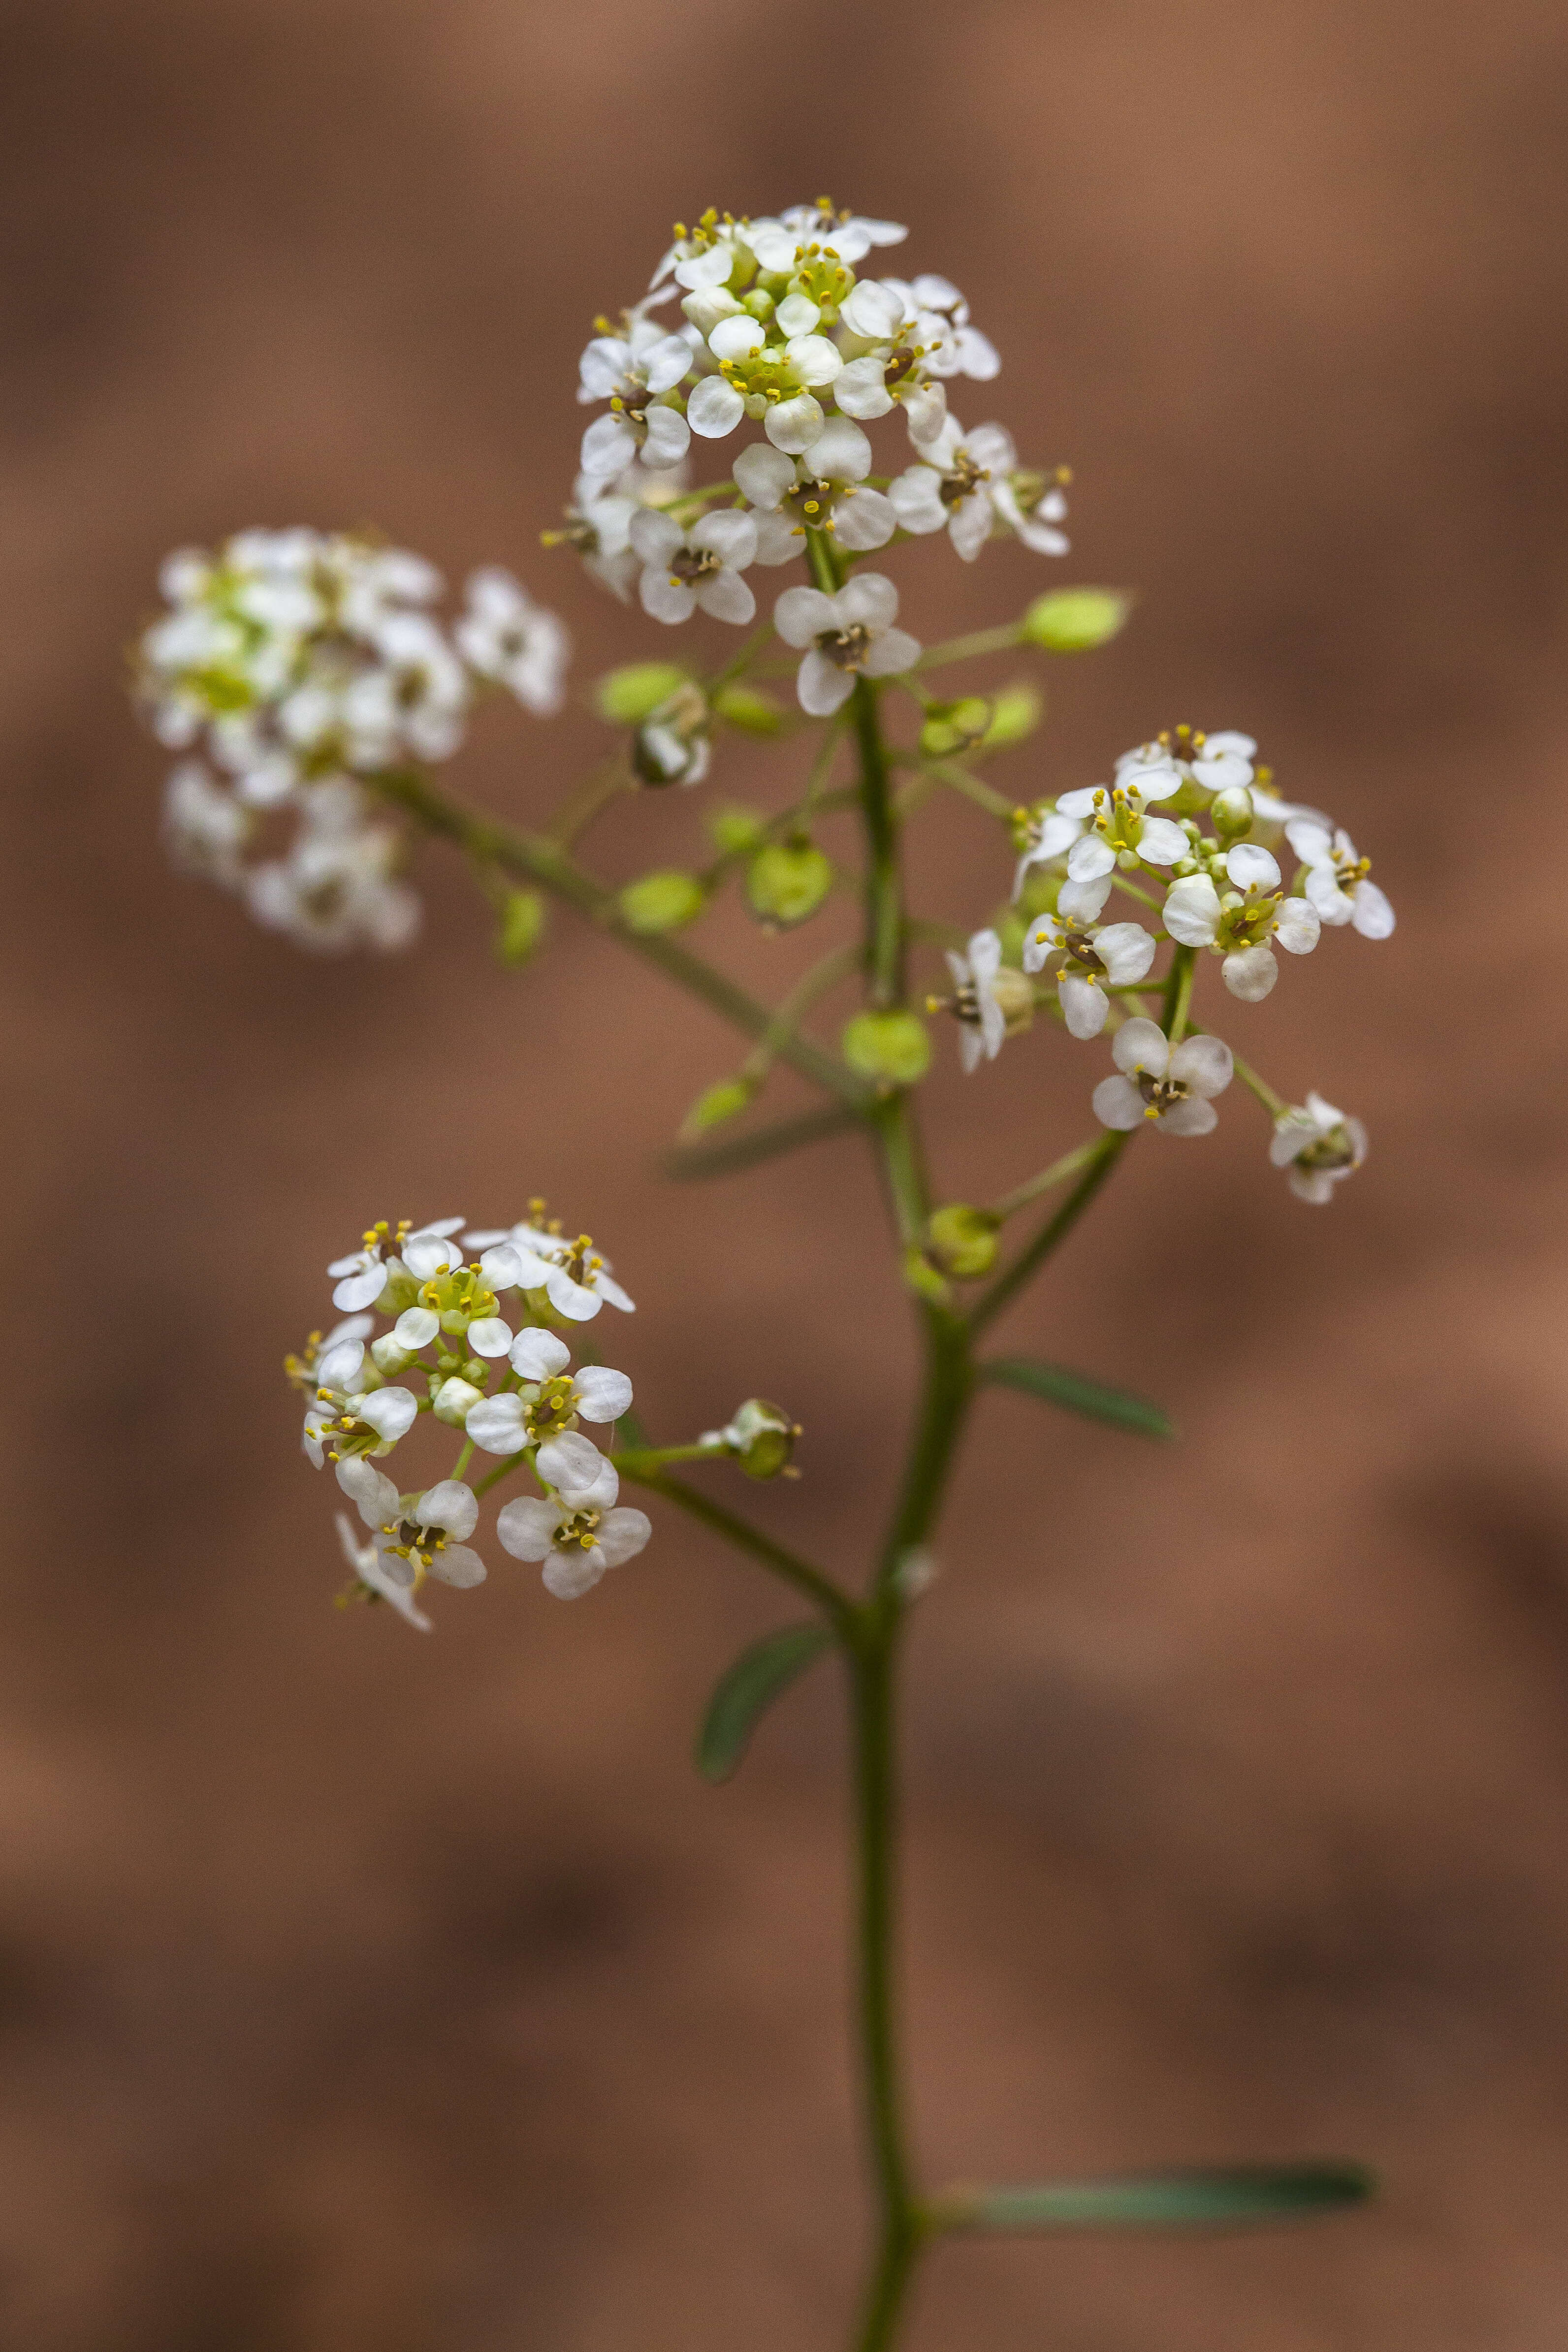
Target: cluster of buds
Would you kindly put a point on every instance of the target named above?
(295, 669)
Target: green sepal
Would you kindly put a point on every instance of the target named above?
(761, 1673)
(1054, 1384)
(1219, 2197)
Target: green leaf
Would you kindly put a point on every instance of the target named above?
(699, 1161)
(1225, 2197)
(1054, 1384)
(759, 1676)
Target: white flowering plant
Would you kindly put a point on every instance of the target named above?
(311, 688)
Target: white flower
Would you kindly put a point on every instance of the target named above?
(821, 489)
(631, 372)
(940, 315)
(683, 570)
(777, 241)
(1117, 954)
(363, 1274)
(775, 383)
(847, 634)
(1117, 832)
(577, 1541)
(1214, 764)
(1034, 506)
(1320, 1146)
(1049, 834)
(505, 636)
(990, 1000)
(368, 1565)
(205, 827)
(552, 1400)
(336, 891)
(1239, 924)
(416, 1535)
(598, 526)
(352, 1409)
(952, 490)
(1337, 881)
(414, 699)
(574, 1277)
(1156, 1083)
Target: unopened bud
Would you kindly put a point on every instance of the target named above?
(1075, 620)
(787, 881)
(389, 1355)
(749, 709)
(894, 1047)
(726, 1099)
(521, 926)
(1016, 713)
(1231, 813)
(963, 1240)
(762, 1435)
(924, 1280)
(626, 697)
(661, 902)
(453, 1400)
(952, 726)
(736, 829)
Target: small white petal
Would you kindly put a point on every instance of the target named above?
(654, 536)
(668, 439)
(489, 1337)
(764, 474)
(664, 598)
(1297, 926)
(575, 1466)
(416, 1327)
(429, 1255)
(527, 1526)
(1191, 910)
(623, 1533)
(1204, 1063)
(735, 338)
(1126, 949)
(864, 521)
(456, 1564)
(1371, 912)
(1090, 857)
(602, 1395)
(814, 359)
(370, 1490)
(869, 598)
(1085, 1005)
(1118, 1103)
(451, 1505)
(1082, 901)
(714, 408)
(572, 1299)
(803, 614)
(891, 654)
(1194, 1117)
(1249, 974)
(795, 424)
(360, 1289)
(539, 1355)
(1142, 1046)
(725, 596)
(390, 1412)
(822, 688)
(568, 1574)
(496, 1423)
(1251, 867)
(1161, 842)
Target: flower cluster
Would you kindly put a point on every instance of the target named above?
(784, 326)
(469, 1343)
(302, 667)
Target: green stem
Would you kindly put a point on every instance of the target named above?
(1179, 994)
(835, 1603)
(537, 859)
(979, 641)
(884, 909)
(1275, 1104)
(1104, 1157)
(1049, 1178)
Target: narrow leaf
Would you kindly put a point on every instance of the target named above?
(1228, 2197)
(695, 1164)
(1055, 1385)
(759, 1676)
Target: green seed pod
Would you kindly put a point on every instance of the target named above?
(1016, 713)
(726, 1099)
(963, 1240)
(894, 1047)
(749, 709)
(952, 726)
(736, 829)
(1075, 620)
(762, 1436)
(787, 881)
(521, 926)
(626, 697)
(661, 902)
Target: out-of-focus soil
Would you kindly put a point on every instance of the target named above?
(388, 1995)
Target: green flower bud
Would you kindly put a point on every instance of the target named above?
(758, 302)
(923, 1278)
(893, 1047)
(1016, 713)
(389, 1355)
(726, 1099)
(787, 881)
(453, 1399)
(963, 1240)
(749, 709)
(661, 902)
(762, 1435)
(1075, 620)
(736, 829)
(952, 727)
(626, 697)
(1039, 894)
(521, 926)
(1231, 814)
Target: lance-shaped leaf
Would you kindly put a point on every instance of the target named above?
(759, 1676)
(1097, 1402)
(1221, 2197)
(695, 1164)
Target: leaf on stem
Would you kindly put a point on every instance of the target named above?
(1054, 1384)
(759, 1676)
(1221, 2197)
(697, 1163)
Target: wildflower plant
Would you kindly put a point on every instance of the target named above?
(312, 690)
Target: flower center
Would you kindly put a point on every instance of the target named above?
(581, 1527)
(963, 479)
(846, 649)
(415, 1541)
(1161, 1094)
(553, 1406)
(689, 564)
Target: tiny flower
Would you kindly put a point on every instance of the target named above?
(1118, 833)
(762, 1437)
(577, 1542)
(1320, 1146)
(416, 1535)
(990, 1001)
(1155, 1082)
(205, 827)
(935, 305)
(336, 890)
(352, 1411)
(598, 526)
(851, 236)
(1337, 881)
(821, 489)
(362, 1277)
(1095, 955)
(574, 1277)
(775, 383)
(632, 372)
(1240, 923)
(551, 1400)
(1046, 835)
(674, 744)
(368, 1565)
(952, 490)
(1034, 506)
(1213, 762)
(505, 636)
(846, 634)
(699, 567)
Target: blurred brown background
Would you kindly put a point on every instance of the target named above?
(388, 1995)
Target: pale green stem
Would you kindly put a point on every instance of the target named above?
(792, 1009)
(967, 648)
(1049, 1178)
(1275, 1104)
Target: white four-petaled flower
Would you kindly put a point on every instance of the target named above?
(700, 567)
(844, 636)
(1098, 956)
(1337, 881)
(1172, 1087)
(1320, 1146)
